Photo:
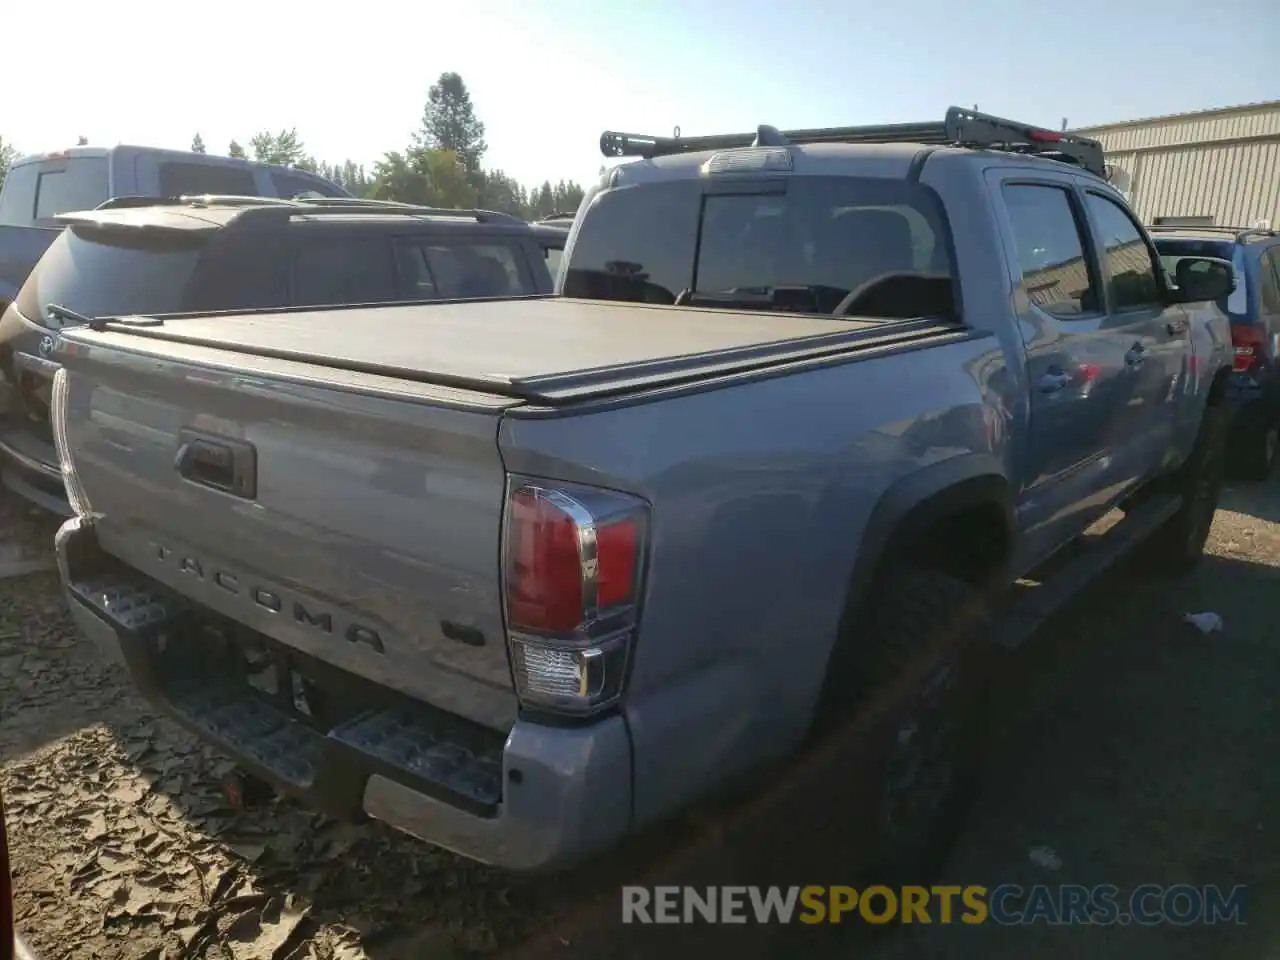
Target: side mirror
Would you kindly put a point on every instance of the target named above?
(1203, 278)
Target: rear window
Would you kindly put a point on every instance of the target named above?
(1171, 250)
(846, 246)
(180, 178)
(99, 275)
(37, 192)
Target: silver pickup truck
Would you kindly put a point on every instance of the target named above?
(524, 577)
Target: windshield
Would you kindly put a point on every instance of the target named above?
(1171, 250)
(99, 276)
(847, 246)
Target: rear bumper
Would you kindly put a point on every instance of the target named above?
(29, 467)
(542, 798)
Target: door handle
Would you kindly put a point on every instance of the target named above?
(1053, 381)
(1135, 357)
(219, 463)
(1176, 327)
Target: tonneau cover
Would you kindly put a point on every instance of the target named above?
(548, 350)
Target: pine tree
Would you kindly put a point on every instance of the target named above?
(449, 122)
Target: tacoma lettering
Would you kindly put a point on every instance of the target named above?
(322, 621)
(274, 600)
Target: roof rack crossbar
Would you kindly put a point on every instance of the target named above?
(960, 127)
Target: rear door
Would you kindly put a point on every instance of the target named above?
(1157, 339)
(1080, 389)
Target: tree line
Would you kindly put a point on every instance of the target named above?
(440, 166)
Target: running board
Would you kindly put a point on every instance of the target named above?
(1034, 604)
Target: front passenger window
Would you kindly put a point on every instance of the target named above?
(1057, 275)
(1131, 274)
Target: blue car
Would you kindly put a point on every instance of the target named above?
(1254, 310)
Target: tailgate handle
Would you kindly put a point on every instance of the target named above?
(220, 463)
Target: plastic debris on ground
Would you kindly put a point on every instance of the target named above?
(1045, 857)
(1205, 622)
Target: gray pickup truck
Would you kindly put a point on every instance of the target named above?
(524, 577)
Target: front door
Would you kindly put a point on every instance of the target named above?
(1156, 335)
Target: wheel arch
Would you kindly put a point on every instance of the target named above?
(922, 520)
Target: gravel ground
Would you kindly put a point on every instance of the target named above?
(1130, 744)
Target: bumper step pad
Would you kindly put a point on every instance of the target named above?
(127, 603)
(403, 740)
(413, 744)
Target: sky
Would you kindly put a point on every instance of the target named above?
(547, 77)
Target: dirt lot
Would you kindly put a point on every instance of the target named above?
(1138, 749)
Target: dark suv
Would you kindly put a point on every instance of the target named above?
(234, 253)
(1254, 310)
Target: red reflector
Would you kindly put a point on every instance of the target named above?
(544, 574)
(616, 550)
(1044, 136)
(1090, 372)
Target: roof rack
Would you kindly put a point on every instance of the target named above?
(311, 205)
(960, 127)
(1240, 233)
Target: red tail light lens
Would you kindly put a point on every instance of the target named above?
(574, 560)
(544, 589)
(1248, 346)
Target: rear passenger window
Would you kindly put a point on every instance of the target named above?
(451, 270)
(1131, 272)
(351, 269)
(178, 178)
(1057, 275)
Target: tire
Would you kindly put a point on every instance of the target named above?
(1253, 448)
(926, 630)
(1178, 544)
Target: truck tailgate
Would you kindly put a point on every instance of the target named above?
(363, 527)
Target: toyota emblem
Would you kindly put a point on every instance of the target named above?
(46, 346)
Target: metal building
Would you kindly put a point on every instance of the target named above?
(1210, 167)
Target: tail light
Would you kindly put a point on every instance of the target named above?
(1248, 346)
(574, 560)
